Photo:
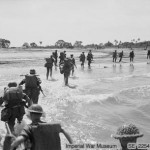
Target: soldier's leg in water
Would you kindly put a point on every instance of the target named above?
(72, 71)
(120, 59)
(88, 63)
(47, 73)
(66, 78)
(21, 113)
(50, 71)
(11, 121)
(83, 64)
(56, 61)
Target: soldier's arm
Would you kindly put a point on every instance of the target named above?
(39, 81)
(1, 101)
(74, 62)
(68, 137)
(17, 142)
(22, 82)
(28, 100)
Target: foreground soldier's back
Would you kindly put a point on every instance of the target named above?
(43, 136)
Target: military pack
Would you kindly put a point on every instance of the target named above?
(13, 95)
(31, 81)
(49, 60)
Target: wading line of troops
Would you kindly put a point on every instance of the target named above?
(41, 135)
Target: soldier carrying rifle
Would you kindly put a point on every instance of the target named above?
(32, 86)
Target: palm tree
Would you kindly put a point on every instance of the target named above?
(119, 44)
(40, 43)
(78, 44)
(116, 42)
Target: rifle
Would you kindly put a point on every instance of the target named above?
(8, 138)
(8, 129)
(27, 74)
(41, 90)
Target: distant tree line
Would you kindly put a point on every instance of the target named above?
(134, 43)
(78, 44)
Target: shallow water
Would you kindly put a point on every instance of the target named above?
(98, 101)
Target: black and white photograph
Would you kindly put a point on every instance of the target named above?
(74, 74)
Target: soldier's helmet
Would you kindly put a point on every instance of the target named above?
(127, 131)
(12, 84)
(35, 108)
(32, 71)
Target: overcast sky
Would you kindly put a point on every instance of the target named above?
(91, 21)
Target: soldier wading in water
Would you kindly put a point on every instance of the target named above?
(14, 100)
(32, 86)
(82, 59)
(89, 58)
(49, 66)
(65, 68)
(42, 135)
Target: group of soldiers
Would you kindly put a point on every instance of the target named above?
(15, 98)
(115, 55)
(131, 56)
(66, 64)
(42, 135)
(37, 135)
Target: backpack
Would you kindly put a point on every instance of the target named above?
(13, 95)
(68, 63)
(89, 56)
(31, 81)
(61, 67)
(46, 136)
(120, 54)
(49, 60)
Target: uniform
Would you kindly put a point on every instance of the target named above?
(49, 66)
(15, 101)
(89, 58)
(82, 59)
(32, 86)
(43, 136)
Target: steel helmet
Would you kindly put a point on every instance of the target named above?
(35, 108)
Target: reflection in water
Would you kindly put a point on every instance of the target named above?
(82, 68)
(55, 68)
(120, 68)
(89, 69)
(131, 68)
(114, 68)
